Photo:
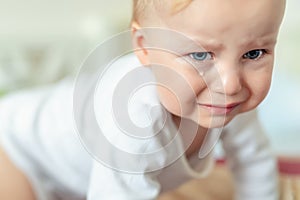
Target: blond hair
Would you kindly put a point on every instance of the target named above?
(140, 7)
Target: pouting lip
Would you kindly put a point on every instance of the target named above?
(227, 106)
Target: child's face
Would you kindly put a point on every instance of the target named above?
(232, 64)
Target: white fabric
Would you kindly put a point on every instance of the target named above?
(38, 132)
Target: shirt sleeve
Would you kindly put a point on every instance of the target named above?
(107, 183)
(37, 132)
(251, 159)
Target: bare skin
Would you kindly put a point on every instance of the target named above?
(13, 183)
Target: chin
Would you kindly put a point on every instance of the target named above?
(216, 122)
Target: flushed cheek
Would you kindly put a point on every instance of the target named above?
(262, 91)
(198, 85)
(176, 89)
(258, 91)
(178, 103)
(169, 100)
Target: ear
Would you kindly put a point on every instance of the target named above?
(139, 42)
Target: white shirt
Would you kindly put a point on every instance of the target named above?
(39, 134)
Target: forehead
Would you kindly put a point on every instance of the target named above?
(212, 17)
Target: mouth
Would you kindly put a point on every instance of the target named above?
(220, 109)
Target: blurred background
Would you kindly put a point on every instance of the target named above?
(43, 41)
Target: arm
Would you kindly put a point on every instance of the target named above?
(250, 158)
(37, 133)
(106, 183)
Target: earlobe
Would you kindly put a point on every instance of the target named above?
(138, 41)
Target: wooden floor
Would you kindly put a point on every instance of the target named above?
(219, 186)
(290, 188)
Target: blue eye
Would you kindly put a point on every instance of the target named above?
(254, 54)
(200, 56)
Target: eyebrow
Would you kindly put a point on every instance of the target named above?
(209, 44)
(265, 41)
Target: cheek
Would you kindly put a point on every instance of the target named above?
(264, 82)
(264, 88)
(169, 100)
(160, 57)
(176, 90)
(178, 84)
(259, 87)
(177, 97)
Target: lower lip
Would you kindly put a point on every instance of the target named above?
(219, 110)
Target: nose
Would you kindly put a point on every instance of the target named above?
(228, 80)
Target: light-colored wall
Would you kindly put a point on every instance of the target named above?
(280, 112)
(40, 20)
(42, 41)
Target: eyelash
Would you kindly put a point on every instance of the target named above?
(245, 56)
(261, 51)
(207, 54)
